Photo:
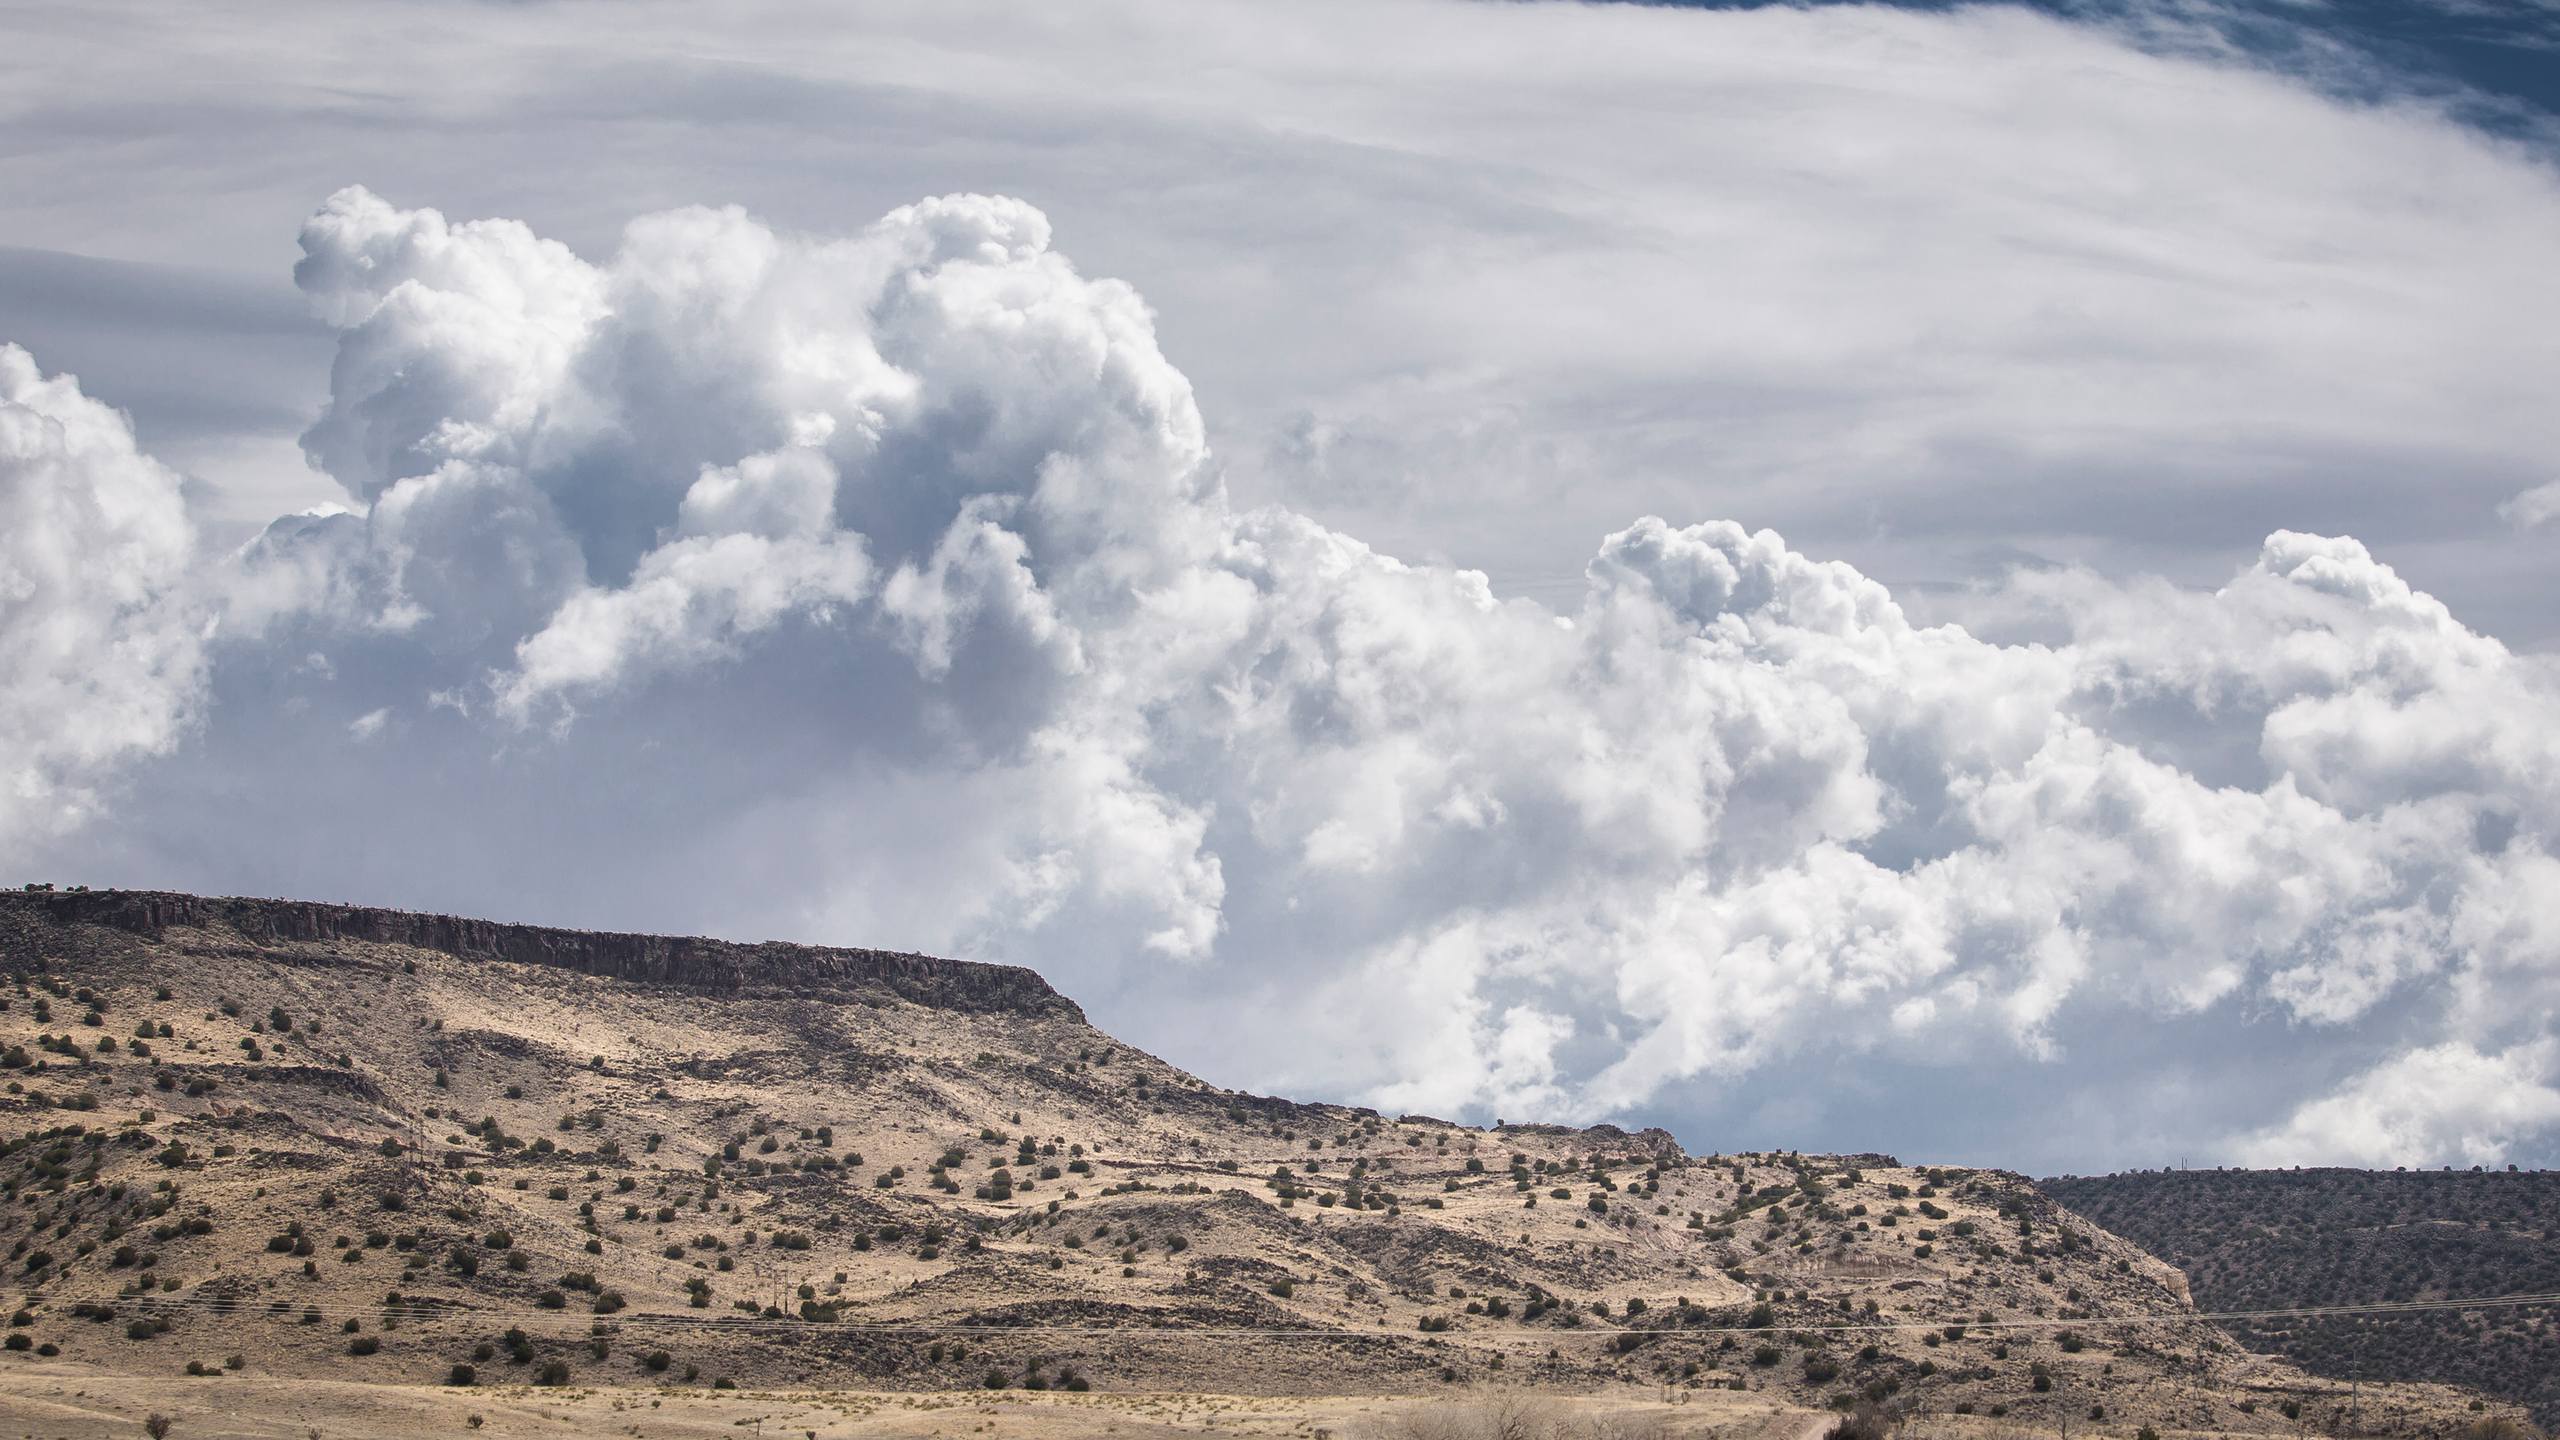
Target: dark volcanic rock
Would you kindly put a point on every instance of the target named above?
(34, 924)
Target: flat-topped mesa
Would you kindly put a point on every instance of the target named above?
(34, 923)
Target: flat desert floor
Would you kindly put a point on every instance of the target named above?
(78, 1402)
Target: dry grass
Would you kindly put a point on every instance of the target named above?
(80, 1406)
(1514, 1414)
(648, 1139)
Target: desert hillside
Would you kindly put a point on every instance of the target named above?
(253, 1139)
(2250, 1239)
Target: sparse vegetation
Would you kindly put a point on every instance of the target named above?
(2258, 1239)
(462, 1155)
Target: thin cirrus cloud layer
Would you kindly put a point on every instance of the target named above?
(881, 580)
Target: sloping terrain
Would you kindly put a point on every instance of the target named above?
(312, 1140)
(2261, 1239)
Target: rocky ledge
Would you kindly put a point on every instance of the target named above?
(34, 923)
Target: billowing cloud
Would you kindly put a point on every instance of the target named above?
(99, 643)
(1926, 287)
(907, 551)
(2448, 1102)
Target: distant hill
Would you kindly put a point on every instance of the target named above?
(2262, 1239)
(359, 1144)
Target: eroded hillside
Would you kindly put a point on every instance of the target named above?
(2253, 1239)
(352, 1143)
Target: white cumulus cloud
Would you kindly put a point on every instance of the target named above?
(893, 575)
(100, 647)
(2447, 1102)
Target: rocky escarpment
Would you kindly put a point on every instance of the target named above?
(35, 924)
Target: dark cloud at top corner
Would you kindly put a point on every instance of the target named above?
(2493, 63)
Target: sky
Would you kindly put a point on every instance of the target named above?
(1969, 581)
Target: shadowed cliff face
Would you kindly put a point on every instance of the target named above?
(37, 922)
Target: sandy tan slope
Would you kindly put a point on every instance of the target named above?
(267, 1139)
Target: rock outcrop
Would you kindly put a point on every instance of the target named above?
(34, 923)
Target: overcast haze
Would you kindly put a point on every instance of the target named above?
(1971, 581)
